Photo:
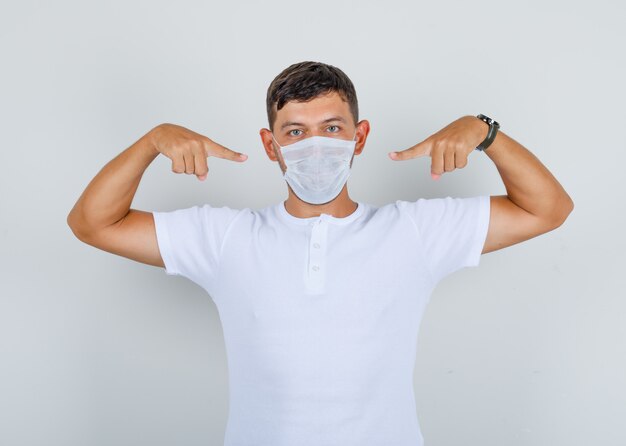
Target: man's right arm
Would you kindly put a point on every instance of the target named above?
(102, 216)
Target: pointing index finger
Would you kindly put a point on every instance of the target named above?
(420, 149)
(220, 151)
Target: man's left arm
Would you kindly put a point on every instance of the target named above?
(535, 202)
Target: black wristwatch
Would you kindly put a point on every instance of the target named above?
(491, 135)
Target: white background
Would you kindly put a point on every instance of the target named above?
(95, 349)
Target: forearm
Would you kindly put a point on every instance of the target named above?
(529, 184)
(107, 198)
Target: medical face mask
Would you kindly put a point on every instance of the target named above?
(317, 167)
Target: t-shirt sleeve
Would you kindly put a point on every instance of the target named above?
(190, 240)
(451, 231)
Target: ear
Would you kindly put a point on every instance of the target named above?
(268, 143)
(362, 130)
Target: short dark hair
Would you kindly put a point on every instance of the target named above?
(304, 81)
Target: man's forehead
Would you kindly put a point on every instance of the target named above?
(320, 110)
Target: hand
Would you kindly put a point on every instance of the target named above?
(449, 147)
(189, 150)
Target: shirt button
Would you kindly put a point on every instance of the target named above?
(316, 268)
(316, 245)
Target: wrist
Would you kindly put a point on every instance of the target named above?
(493, 127)
(482, 128)
(151, 139)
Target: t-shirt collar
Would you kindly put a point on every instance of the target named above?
(287, 217)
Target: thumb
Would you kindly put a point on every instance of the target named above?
(416, 151)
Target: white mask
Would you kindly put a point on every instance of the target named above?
(317, 167)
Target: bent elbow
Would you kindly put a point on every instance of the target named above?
(71, 221)
(570, 206)
(78, 233)
(76, 227)
(562, 209)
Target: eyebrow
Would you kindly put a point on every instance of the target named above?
(325, 121)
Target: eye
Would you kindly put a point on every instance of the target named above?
(334, 127)
(295, 130)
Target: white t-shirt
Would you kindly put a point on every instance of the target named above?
(321, 315)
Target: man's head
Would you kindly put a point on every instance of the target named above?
(304, 81)
(308, 99)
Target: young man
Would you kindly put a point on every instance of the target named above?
(320, 297)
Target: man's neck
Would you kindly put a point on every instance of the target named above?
(340, 207)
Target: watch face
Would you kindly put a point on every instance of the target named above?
(488, 120)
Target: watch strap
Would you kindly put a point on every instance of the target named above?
(491, 134)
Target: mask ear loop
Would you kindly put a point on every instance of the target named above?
(285, 172)
(354, 147)
(276, 141)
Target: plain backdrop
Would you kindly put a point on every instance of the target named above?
(95, 349)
